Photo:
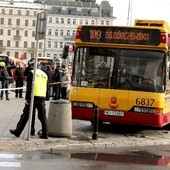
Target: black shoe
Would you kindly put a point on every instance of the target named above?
(14, 132)
(7, 99)
(16, 96)
(20, 97)
(43, 137)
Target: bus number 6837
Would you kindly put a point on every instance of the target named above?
(144, 102)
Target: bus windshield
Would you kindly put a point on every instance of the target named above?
(125, 69)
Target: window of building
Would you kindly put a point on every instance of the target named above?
(68, 32)
(92, 22)
(56, 45)
(86, 22)
(35, 13)
(9, 21)
(1, 43)
(56, 32)
(40, 54)
(18, 22)
(40, 45)
(56, 20)
(62, 20)
(107, 23)
(55, 55)
(26, 33)
(33, 33)
(8, 43)
(9, 32)
(50, 20)
(10, 11)
(16, 43)
(61, 44)
(2, 20)
(17, 32)
(33, 23)
(49, 44)
(61, 32)
(102, 22)
(1, 31)
(25, 44)
(3, 11)
(49, 32)
(8, 53)
(74, 33)
(27, 12)
(68, 21)
(32, 55)
(48, 55)
(74, 21)
(25, 55)
(32, 44)
(81, 21)
(19, 12)
(16, 54)
(26, 22)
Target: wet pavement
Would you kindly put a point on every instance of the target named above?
(109, 136)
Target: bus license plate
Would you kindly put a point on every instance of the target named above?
(113, 113)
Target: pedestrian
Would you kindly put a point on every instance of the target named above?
(40, 86)
(18, 75)
(65, 80)
(50, 75)
(4, 76)
(57, 81)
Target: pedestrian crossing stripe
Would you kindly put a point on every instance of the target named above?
(10, 164)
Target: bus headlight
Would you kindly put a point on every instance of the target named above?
(83, 104)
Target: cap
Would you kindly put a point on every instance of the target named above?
(2, 64)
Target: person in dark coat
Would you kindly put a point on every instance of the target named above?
(50, 75)
(18, 75)
(57, 80)
(40, 87)
(4, 76)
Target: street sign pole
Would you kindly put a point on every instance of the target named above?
(40, 34)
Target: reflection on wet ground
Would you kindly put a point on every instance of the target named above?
(134, 157)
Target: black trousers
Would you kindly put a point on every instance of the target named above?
(19, 83)
(39, 104)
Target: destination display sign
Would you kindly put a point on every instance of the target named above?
(120, 35)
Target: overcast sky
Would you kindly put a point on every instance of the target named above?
(140, 9)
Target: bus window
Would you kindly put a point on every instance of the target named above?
(95, 66)
(141, 71)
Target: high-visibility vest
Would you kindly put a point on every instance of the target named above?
(40, 84)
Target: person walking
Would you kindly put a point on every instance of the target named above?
(40, 87)
(4, 76)
(65, 80)
(18, 75)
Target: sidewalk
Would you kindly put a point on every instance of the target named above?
(81, 138)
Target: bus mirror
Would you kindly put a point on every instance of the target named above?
(65, 51)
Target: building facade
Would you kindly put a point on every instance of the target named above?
(18, 25)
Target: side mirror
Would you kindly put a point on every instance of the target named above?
(65, 51)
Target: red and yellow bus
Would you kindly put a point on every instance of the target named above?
(124, 71)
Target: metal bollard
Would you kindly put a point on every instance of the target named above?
(95, 129)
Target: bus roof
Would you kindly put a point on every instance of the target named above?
(152, 23)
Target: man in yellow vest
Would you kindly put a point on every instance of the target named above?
(40, 87)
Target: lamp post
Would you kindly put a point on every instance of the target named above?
(129, 17)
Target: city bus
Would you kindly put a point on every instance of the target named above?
(124, 72)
